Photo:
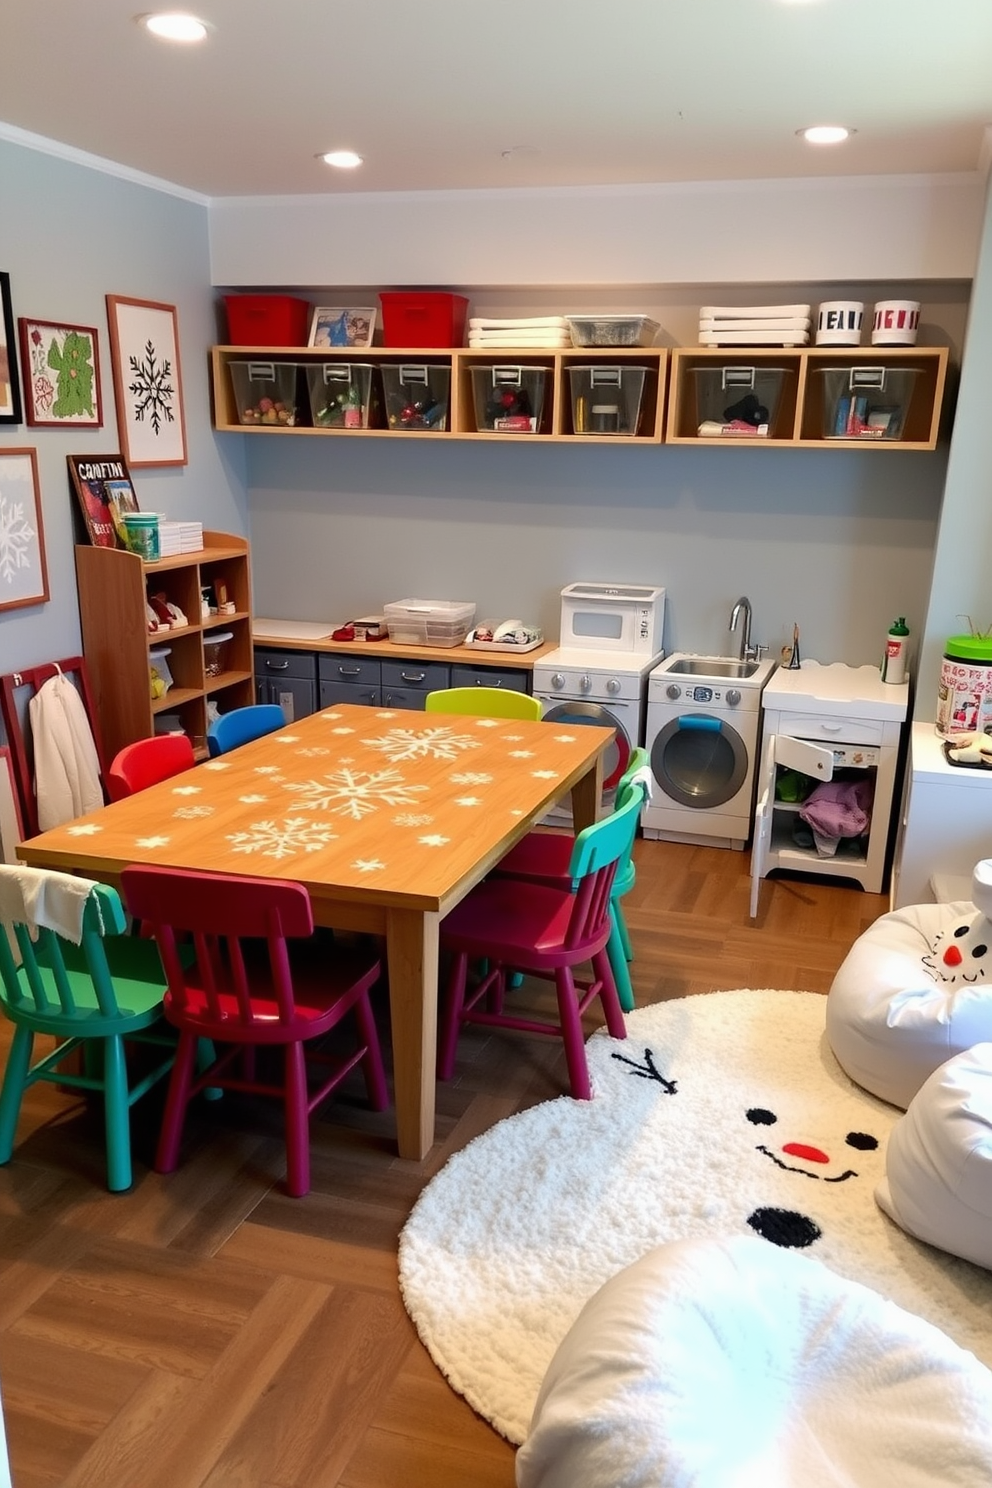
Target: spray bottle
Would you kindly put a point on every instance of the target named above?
(894, 660)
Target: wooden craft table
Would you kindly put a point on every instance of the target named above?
(387, 819)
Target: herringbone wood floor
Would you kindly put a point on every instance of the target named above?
(205, 1331)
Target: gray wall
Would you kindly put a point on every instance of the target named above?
(69, 235)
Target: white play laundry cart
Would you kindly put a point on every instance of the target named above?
(819, 719)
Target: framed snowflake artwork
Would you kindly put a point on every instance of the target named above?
(23, 571)
(148, 386)
(10, 393)
(60, 365)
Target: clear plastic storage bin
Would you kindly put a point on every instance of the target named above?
(265, 393)
(416, 396)
(342, 395)
(866, 403)
(612, 330)
(429, 622)
(217, 652)
(606, 400)
(739, 401)
(509, 400)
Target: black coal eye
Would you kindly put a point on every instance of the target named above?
(759, 1117)
(979, 952)
(961, 930)
(862, 1141)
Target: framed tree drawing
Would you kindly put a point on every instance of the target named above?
(23, 571)
(10, 393)
(148, 388)
(60, 365)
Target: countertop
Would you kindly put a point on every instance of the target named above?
(389, 651)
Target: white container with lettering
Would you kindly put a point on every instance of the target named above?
(964, 690)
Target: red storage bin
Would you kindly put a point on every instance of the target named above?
(427, 318)
(267, 320)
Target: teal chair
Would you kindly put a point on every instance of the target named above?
(484, 702)
(90, 996)
(543, 857)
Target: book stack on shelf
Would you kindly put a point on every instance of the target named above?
(179, 537)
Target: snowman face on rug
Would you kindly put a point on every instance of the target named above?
(724, 1114)
(961, 953)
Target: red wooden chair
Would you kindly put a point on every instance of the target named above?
(16, 691)
(146, 762)
(545, 930)
(245, 995)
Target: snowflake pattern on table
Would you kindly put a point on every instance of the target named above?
(187, 790)
(191, 813)
(159, 841)
(355, 793)
(545, 774)
(282, 839)
(88, 829)
(216, 765)
(426, 743)
(413, 819)
(253, 800)
(468, 801)
(434, 840)
(314, 749)
(16, 537)
(471, 777)
(565, 739)
(521, 754)
(368, 865)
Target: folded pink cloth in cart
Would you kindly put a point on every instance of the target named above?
(836, 809)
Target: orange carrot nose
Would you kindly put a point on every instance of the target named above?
(952, 956)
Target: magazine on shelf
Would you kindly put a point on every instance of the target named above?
(104, 490)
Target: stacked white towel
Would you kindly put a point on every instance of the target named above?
(42, 898)
(754, 325)
(536, 330)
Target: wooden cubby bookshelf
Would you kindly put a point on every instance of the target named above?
(801, 419)
(113, 585)
(556, 420)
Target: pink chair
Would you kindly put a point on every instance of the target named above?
(247, 989)
(546, 931)
(146, 762)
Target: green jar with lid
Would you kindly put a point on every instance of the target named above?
(964, 691)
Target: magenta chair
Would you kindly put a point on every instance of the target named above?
(146, 762)
(546, 931)
(250, 988)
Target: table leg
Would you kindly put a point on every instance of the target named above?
(587, 797)
(412, 959)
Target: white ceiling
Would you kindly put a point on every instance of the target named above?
(462, 94)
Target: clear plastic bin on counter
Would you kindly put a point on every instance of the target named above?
(429, 622)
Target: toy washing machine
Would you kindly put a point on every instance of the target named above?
(702, 733)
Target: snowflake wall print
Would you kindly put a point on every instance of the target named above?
(144, 343)
(23, 571)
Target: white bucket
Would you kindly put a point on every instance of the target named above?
(838, 323)
(895, 323)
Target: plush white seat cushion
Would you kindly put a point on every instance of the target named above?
(732, 1363)
(913, 990)
(938, 1162)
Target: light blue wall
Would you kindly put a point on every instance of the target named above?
(69, 235)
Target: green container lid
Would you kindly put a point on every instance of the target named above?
(969, 648)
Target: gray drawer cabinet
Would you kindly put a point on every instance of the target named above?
(513, 679)
(344, 678)
(288, 678)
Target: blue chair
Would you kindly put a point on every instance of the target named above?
(91, 996)
(242, 725)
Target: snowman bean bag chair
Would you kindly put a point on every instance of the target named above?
(914, 990)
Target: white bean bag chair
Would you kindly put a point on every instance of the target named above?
(914, 989)
(938, 1161)
(732, 1363)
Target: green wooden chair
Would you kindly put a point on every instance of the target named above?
(483, 702)
(90, 996)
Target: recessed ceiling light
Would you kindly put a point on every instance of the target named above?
(826, 134)
(343, 159)
(174, 25)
